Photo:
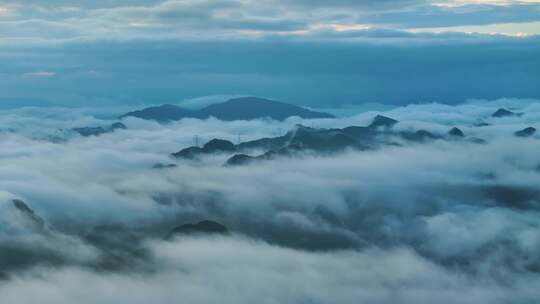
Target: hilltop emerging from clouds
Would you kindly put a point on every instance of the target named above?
(242, 108)
(380, 206)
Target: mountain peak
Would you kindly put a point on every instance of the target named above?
(456, 132)
(382, 121)
(242, 108)
(247, 108)
(529, 131)
(503, 113)
(218, 145)
(163, 113)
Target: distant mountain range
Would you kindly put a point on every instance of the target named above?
(244, 108)
(378, 133)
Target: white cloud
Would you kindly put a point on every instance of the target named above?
(201, 102)
(40, 74)
(244, 271)
(442, 220)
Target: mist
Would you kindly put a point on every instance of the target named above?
(452, 221)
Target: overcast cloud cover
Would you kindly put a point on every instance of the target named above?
(315, 53)
(446, 221)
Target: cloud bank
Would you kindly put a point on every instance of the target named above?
(450, 221)
(242, 271)
(315, 53)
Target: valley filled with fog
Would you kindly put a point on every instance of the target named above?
(442, 218)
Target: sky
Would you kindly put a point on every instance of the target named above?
(323, 54)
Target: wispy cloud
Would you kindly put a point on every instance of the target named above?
(40, 74)
(211, 20)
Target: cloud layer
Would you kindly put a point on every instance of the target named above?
(316, 53)
(242, 271)
(403, 223)
(230, 18)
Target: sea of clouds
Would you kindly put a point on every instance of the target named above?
(447, 221)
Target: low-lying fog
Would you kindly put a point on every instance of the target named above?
(443, 221)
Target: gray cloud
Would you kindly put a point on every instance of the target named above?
(479, 14)
(115, 52)
(210, 20)
(334, 212)
(242, 271)
(447, 217)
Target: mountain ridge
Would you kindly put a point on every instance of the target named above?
(242, 108)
